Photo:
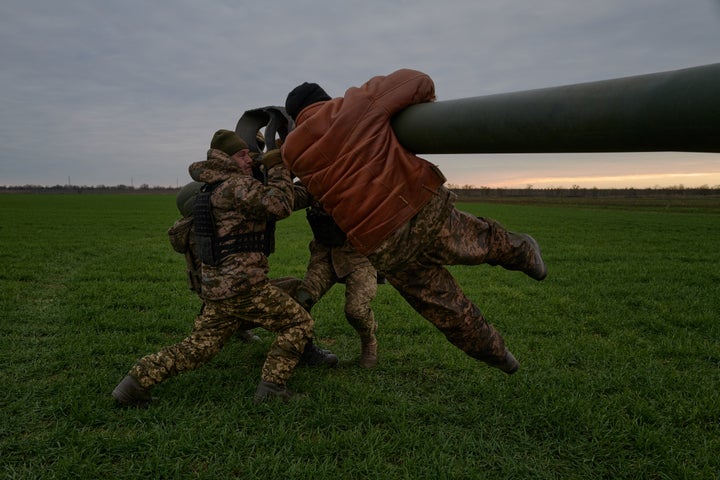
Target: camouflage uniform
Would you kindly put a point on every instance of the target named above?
(236, 291)
(333, 260)
(330, 265)
(263, 305)
(412, 259)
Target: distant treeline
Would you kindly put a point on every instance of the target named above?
(465, 193)
(480, 193)
(75, 189)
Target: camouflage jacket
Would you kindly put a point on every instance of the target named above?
(240, 204)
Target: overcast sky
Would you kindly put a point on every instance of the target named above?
(129, 92)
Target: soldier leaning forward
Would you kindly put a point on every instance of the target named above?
(394, 208)
(231, 219)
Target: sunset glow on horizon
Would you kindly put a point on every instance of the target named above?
(650, 180)
(583, 170)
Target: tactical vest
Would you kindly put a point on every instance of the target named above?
(211, 248)
(324, 228)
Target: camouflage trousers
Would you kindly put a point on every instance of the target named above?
(360, 290)
(413, 260)
(264, 306)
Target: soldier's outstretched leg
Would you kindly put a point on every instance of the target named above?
(468, 240)
(433, 293)
(209, 334)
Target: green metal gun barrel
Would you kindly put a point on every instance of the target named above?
(667, 111)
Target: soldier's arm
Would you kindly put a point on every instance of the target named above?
(400, 89)
(272, 199)
(278, 195)
(302, 197)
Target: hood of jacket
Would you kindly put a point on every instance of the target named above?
(218, 167)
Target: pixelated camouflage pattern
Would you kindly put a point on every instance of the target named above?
(331, 265)
(413, 260)
(241, 204)
(264, 305)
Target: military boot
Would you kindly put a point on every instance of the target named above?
(129, 393)
(509, 364)
(515, 251)
(524, 256)
(368, 351)
(247, 336)
(268, 391)
(536, 268)
(313, 356)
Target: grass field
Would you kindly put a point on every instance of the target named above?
(620, 353)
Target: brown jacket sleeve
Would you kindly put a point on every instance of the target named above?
(399, 90)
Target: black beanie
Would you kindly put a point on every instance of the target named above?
(302, 96)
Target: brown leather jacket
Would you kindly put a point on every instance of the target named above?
(346, 154)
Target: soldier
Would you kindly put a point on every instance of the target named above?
(232, 220)
(333, 260)
(182, 239)
(394, 208)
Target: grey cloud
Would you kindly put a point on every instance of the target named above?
(135, 88)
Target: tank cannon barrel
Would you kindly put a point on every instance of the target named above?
(677, 110)
(667, 111)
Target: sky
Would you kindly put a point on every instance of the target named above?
(130, 92)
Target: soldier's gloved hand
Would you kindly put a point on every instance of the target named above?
(272, 158)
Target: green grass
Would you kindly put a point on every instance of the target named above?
(620, 353)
